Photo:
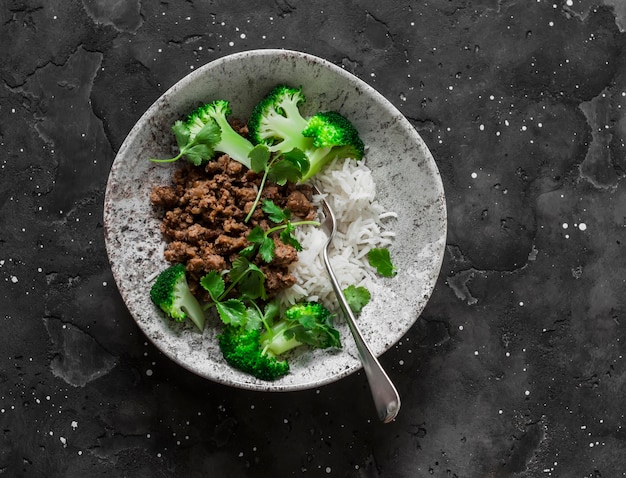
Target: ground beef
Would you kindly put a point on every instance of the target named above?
(203, 213)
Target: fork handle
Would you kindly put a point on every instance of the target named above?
(384, 393)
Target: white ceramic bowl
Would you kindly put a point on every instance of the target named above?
(407, 182)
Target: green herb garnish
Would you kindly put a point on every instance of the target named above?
(380, 259)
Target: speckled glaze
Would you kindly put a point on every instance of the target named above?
(407, 182)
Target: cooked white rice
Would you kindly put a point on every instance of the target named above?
(362, 224)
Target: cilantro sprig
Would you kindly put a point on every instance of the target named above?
(196, 148)
(262, 243)
(250, 283)
(280, 168)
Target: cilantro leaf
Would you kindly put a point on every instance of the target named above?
(266, 250)
(283, 171)
(271, 311)
(214, 285)
(181, 133)
(357, 297)
(290, 166)
(198, 153)
(275, 213)
(241, 266)
(254, 318)
(299, 159)
(259, 157)
(261, 241)
(209, 134)
(196, 149)
(287, 237)
(250, 280)
(232, 311)
(380, 259)
(249, 251)
(256, 235)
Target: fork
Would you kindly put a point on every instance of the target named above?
(384, 393)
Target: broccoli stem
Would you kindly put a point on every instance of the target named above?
(274, 341)
(232, 143)
(190, 305)
(318, 158)
(291, 130)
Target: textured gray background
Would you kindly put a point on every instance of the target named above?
(515, 368)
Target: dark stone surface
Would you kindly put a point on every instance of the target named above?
(516, 367)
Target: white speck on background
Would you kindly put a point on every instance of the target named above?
(582, 226)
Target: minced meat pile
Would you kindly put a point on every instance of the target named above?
(203, 219)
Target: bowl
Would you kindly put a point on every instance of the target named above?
(407, 182)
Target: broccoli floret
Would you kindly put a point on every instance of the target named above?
(207, 130)
(276, 121)
(230, 142)
(242, 350)
(307, 323)
(256, 350)
(171, 293)
(335, 133)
